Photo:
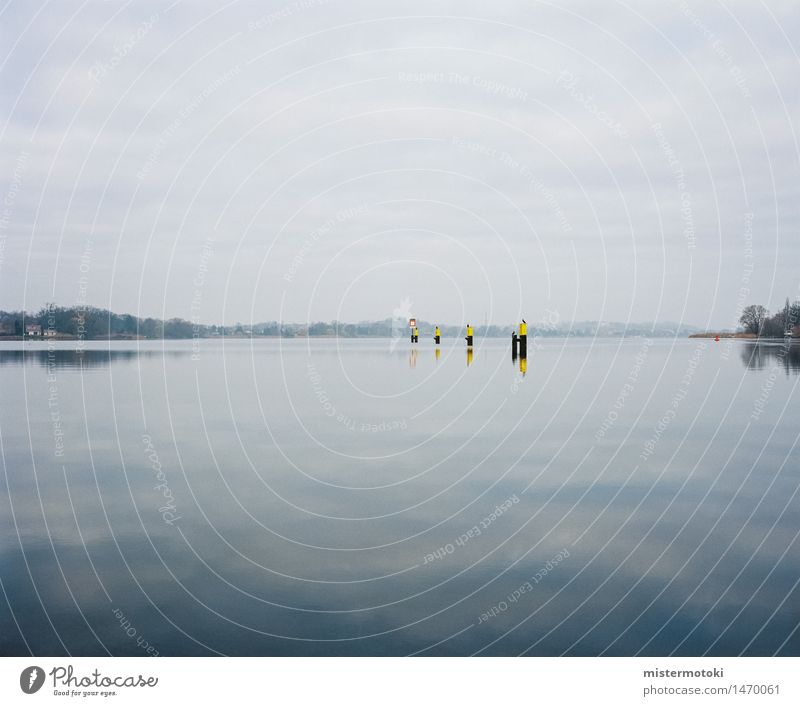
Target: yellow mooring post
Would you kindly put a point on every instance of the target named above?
(469, 336)
(437, 336)
(523, 339)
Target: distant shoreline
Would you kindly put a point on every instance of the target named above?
(88, 323)
(726, 334)
(305, 336)
(743, 336)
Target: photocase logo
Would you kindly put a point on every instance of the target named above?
(31, 679)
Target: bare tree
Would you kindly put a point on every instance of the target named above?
(753, 318)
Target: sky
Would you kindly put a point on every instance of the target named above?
(459, 161)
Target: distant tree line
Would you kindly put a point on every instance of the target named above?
(755, 319)
(93, 323)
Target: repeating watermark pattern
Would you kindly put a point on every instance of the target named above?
(626, 390)
(570, 84)
(319, 391)
(293, 8)
(401, 316)
(10, 199)
(347, 422)
(766, 388)
(678, 173)
(475, 531)
(132, 633)
(494, 88)
(52, 385)
(337, 573)
(168, 510)
(514, 164)
(547, 323)
(719, 48)
(744, 287)
(524, 588)
(680, 394)
(101, 69)
(83, 291)
(538, 185)
(376, 428)
(183, 115)
(197, 295)
(342, 215)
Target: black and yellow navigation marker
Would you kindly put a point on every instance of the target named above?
(415, 339)
(521, 342)
(469, 336)
(437, 336)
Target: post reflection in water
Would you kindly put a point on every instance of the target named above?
(760, 356)
(347, 557)
(754, 356)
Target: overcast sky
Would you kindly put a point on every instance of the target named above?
(315, 160)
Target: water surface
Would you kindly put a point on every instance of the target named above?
(360, 497)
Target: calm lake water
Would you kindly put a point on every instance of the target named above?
(324, 497)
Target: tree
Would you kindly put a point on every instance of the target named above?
(151, 328)
(753, 318)
(794, 315)
(773, 326)
(177, 328)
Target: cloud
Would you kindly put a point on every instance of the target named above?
(595, 159)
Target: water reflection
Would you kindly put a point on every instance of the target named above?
(759, 356)
(464, 486)
(83, 358)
